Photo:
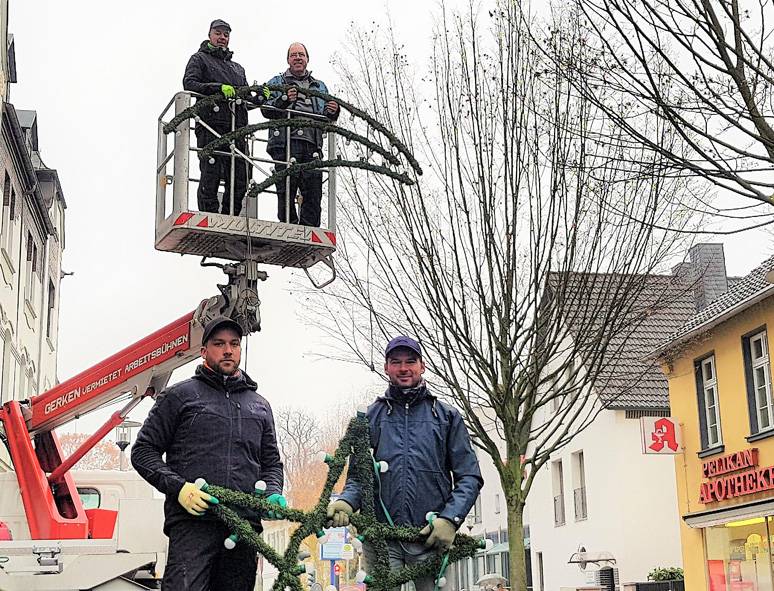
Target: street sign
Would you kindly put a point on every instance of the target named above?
(333, 549)
(347, 552)
(337, 568)
(661, 435)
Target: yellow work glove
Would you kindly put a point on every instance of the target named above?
(227, 90)
(339, 512)
(195, 501)
(440, 534)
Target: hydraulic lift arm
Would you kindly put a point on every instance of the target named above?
(50, 498)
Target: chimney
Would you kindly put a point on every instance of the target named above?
(709, 266)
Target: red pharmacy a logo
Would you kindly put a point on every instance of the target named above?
(664, 434)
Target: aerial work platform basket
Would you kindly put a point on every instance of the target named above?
(252, 235)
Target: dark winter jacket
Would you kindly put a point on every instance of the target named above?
(308, 104)
(431, 464)
(207, 70)
(213, 427)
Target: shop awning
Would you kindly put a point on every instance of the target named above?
(729, 514)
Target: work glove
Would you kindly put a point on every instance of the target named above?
(440, 534)
(227, 90)
(280, 501)
(195, 501)
(339, 512)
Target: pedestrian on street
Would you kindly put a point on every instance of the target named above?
(212, 71)
(305, 143)
(217, 427)
(432, 466)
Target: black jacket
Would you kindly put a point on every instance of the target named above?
(207, 70)
(213, 427)
(432, 466)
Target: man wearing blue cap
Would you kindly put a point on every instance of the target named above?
(432, 466)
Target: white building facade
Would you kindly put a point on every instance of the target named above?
(601, 494)
(32, 239)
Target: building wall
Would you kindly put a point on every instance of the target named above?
(631, 507)
(725, 341)
(30, 272)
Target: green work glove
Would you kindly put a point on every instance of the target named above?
(195, 501)
(280, 501)
(339, 512)
(440, 534)
(227, 90)
(266, 92)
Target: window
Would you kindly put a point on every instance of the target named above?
(541, 578)
(497, 503)
(758, 372)
(709, 406)
(579, 485)
(90, 497)
(51, 305)
(738, 555)
(31, 269)
(9, 205)
(477, 510)
(557, 473)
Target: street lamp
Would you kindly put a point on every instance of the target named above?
(470, 521)
(123, 439)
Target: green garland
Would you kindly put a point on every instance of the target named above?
(298, 123)
(355, 446)
(248, 92)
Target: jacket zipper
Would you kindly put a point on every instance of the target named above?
(405, 458)
(230, 431)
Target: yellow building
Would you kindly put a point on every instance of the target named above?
(720, 390)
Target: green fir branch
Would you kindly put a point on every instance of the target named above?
(355, 447)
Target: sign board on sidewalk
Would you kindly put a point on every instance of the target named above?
(333, 549)
(661, 435)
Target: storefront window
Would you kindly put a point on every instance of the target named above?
(739, 556)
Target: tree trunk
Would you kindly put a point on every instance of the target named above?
(516, 562)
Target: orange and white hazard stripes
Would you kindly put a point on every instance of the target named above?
(192, 219)
(325, 237)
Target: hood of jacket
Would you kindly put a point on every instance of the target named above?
(234, 383)
(219, 52)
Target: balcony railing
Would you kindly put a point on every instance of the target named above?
(580, 503)
(559, 510)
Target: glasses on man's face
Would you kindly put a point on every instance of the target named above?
(297, 54)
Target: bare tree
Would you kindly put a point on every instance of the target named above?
(104, 456)
(520, 258)
(704, 69)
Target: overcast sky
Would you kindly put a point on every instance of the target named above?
(98, 74)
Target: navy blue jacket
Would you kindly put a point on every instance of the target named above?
(213, 427)
(432, 466)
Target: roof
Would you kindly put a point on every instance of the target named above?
(628, 378)
(742, 294)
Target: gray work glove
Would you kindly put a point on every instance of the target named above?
(339, 512)
(440, 534)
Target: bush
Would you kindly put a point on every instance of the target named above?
(671, 573)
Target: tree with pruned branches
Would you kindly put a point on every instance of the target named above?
(519, 258)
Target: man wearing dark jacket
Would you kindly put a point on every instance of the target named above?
(217, 427)
(212, 71)
(431, 464)
(305, 143)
